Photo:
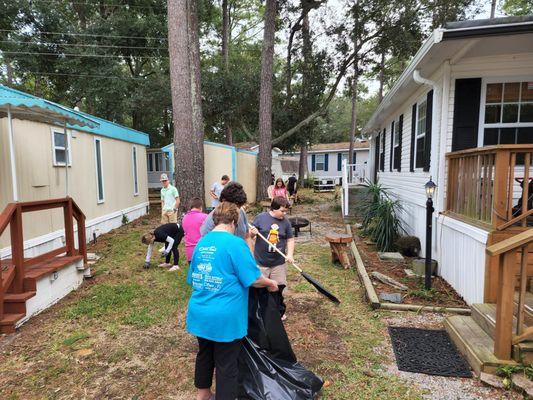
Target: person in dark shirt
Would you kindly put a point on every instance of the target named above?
(169, 234)
(277, 229)
(291, 184)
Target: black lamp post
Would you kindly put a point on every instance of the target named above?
(430, 191)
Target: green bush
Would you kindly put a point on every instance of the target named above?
(379, 214)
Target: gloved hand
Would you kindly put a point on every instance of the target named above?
(164, 254)
(146, 264)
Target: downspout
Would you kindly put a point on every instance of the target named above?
(12, 155)
(435, 146)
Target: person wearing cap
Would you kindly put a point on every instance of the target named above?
(170, 201)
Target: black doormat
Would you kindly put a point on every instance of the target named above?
(427, 351)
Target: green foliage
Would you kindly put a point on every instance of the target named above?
(75, 337)
(517, 7)
(125, 219)
(380, 221)
(424, 294)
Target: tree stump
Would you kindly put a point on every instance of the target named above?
(339, 248)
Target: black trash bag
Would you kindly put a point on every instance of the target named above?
(268, 369)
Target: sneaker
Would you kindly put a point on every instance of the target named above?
(165, 265)
(174, 268)
(284, 317)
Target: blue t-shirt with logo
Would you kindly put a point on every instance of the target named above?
(221, 271)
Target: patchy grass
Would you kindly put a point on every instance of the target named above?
(122, 335)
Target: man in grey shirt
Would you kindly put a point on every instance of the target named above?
(234, 193)
(216, 189)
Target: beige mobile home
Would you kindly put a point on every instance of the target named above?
(94, 168)
(221, 159)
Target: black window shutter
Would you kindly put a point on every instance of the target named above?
(427, 140)
(413, 136)
(313, 162)
(398, 152)
(339, 161)
(326, 161)
(391, 144)
(376, 159)
(354, 161)
(382, 157)
(466, 113)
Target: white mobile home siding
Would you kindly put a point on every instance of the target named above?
(333, 170)
(458, 247)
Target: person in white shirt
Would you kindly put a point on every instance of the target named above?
(216, 189)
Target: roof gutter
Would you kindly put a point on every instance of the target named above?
(405, 77)
(492, 30)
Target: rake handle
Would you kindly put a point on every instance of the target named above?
(275, 248)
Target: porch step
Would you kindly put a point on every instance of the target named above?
(474, 343)
(33, 273)
(7, 323)
(485, 317)
(16, 302)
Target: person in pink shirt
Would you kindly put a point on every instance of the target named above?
(192, 221)
(280, 190)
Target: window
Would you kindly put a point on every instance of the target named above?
(507, 116)
(420, 137)
(382, 151)
(157, 161)
(150, 161)
(320, 162)
(396, 157)
(99, 170)
(61, 146)
(135, 177)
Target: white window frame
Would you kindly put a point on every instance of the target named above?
(323, 162)
(56, 163)
(98, 200)
(482, 104)
(134, 162)
(396, 143)
(418, 135)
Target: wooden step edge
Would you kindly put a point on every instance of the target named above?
(18, 297)
(479, 365)
(11, 319)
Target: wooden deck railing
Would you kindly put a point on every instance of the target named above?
(12, 216)
(506, 251)
(490, 186)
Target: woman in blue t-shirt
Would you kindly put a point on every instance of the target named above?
(222, 269)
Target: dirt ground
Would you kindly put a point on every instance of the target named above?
(122, 334)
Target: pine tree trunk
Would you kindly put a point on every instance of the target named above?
(188, 162)
(225, 58)
(302, 166)
(264, 166)
(353, 125)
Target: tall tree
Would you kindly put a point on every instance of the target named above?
(188, 164)
(226, 35)
(517, 7)
(264, 163)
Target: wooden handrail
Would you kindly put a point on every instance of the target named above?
(482, 182)
(511, 243)
(506, 252)
(5, 216)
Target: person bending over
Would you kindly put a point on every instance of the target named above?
(169, 234)
(274, 226)
(222, 269)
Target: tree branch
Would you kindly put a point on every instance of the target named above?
(322, 108)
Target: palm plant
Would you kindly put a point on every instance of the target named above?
(379, 214)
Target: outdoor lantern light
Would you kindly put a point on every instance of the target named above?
(430, 191)
(430, 188)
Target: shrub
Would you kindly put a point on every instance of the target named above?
(380, 216)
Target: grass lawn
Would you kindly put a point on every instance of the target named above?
(122, 335)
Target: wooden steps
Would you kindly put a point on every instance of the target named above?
(14, 304)
(474, 343)
(7, 324)
(485, 317)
